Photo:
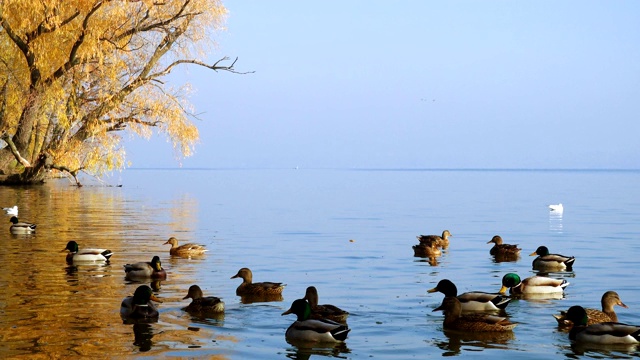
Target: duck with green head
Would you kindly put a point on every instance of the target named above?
(139, 306)
(305, 329)
(21, 227)
(532, 285)
(85, 255)
(473, 300)
(455, 320)
(607, 333)
(146, 270)
(551, 262)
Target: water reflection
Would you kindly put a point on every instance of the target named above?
(250, 299)
(618, 351)
(304, 350)
(555, 221)
(142, 335)
(479, 340)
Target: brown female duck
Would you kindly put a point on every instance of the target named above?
(250, 289)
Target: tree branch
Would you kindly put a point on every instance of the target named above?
(14, 150)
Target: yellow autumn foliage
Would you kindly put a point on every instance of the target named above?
(77, 74)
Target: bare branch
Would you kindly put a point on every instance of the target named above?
(14, 150)
(215, 67)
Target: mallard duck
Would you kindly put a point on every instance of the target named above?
(500, 249)
(139, 306)
(76, 255)
(532, 285)
(184, 250)
(152, 269)
(607, 333)
(305, 329)
(18, 227)
(202, 304)
(11, 210)
(455, 320)
(608, 301)
(441, 241)
(425, 249)
(249, 288)
(551, 262)
(325, 311)
(472, 301)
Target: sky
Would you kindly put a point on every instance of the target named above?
(417, 84)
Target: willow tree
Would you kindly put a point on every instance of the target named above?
(76, 75)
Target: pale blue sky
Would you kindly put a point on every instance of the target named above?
(418, 84)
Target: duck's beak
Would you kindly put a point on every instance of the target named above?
(489, 242)
(533, 254)
(154, 298)
(623, 305)
(63, 250)
(234, 276)
(286, 312)
(503, 290)
(435, 289)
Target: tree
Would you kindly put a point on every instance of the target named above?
(76, 74)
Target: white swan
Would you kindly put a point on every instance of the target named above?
(556, 208)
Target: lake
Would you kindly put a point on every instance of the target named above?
(349, 233)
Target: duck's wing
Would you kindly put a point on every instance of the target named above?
(321, 326)
(139, 266)
(489, 300)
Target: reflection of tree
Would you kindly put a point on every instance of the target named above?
(142, 334)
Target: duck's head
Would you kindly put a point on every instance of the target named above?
(540, 251)
(156, 264)
(301, 308)
(450, 305)
(194, 292)
(446, 287)
(509, 281)
(577, 315)
(244, 273)
(311, 295)
(612, 298)
(446, 234)
(496, 240)
(72, 246)
(173, 241)
(143, 294)
(14, 220)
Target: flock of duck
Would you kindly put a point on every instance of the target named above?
(464, 312)
(314, 323)
(327, 323)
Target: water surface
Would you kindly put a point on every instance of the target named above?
(347, 232)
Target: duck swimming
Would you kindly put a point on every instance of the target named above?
(186, 249)
(139, 306)
(551, 262)
(251, 289)
(440, 241)
(305, 329)
(606, 333)
(144, 270)
(608, 314)
(472, 301)
(455, 320)
(532, 285)
(325, 311)
(426, 249)
(500, 249)
(19, 227)
(88, 255)
(202, 304)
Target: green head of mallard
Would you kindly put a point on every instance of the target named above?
(540, 251)
(156, 264)
(446, 287)
(301, 308)
(510, 280)
(71, 246)
(577, 315)
(143, 294)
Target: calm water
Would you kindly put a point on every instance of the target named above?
(349, 233)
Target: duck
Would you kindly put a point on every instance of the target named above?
(556, 207)
(608, 314)
(424, 249)
(532, 285)
(441, 241)
(325, 311)
(76, 255)
(500, 249)
(11, 210)
(201, 303)
(551, 262)
(139, 306)
(152, 269)
(186, 249)
(305, 329)
(18, 227)
(606, 333)
(249, 288)
(472, 301)
(455, 320)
